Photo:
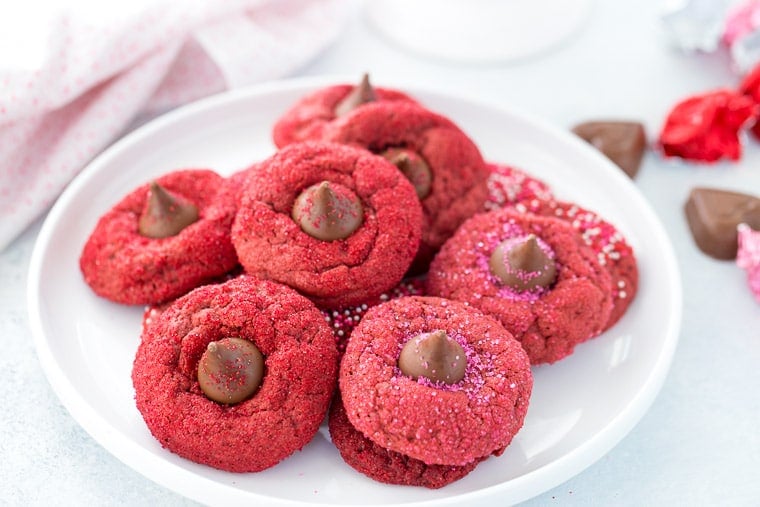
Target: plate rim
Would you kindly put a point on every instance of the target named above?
(184, 481)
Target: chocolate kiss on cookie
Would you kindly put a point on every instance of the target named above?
(359, 95)
(713, 216)
(414, 167)
(623, 142)
(230, 370)
(434, 356)
(522, 265)
(328, 212)
(164, 214)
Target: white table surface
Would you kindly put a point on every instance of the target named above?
(699, 444)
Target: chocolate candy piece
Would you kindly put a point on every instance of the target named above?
(230, 370)
(164, 214)
(414, 168)
(434, 356)
(713, 216)
(328, 212)
(360, 94)
(522, 264)
(623, 142)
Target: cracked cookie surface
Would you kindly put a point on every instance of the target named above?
(282, 415)
(122, 265)
(341, 272)
(549, 322)
(436, 424)
(458, 186)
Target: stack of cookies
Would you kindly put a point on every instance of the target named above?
(375, 267)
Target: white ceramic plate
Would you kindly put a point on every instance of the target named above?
(581, 407)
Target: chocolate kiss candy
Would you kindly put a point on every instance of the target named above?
(360, 94)
(623, 142)
(230, 370)
(414, 168)
(525, 266)
(713, 216)
(434, 356)
(328, 214)
(165, 215)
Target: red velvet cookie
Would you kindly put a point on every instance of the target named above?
(612, 250)
(120, 262)
(509, 186)
(335, 222)
(444, 164)
(516, 189)
(533, 273)
(278, 417)
(380, 464)
(435, 380)
(307, 118)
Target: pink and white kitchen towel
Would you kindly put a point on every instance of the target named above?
(75, 74)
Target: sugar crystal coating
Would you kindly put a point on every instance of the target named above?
(309, 116)
(289, 405)
(549, 323)
(458, 182)
(519, 191)
(384, 465)
(124, 266)
(344, 272)
(437, 423)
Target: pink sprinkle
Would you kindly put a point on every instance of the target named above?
(479, 368)
(344, 320)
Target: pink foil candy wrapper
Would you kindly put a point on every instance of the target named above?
(742, 34)
(748, 257)
(742, 20)
(696, 25)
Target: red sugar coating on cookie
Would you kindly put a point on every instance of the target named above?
(383, 465)
(445, 425)
(608, 243)
(458, 171)
(574, 309)
(516, 189)
(508, 186)
(124, 266)
(339, 273)
(280, 418)
(343, 320)
(307, 118)
(232, 190)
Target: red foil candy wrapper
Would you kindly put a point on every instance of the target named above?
(706, 127)
(750, 86)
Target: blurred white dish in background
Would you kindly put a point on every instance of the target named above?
(478, 31)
